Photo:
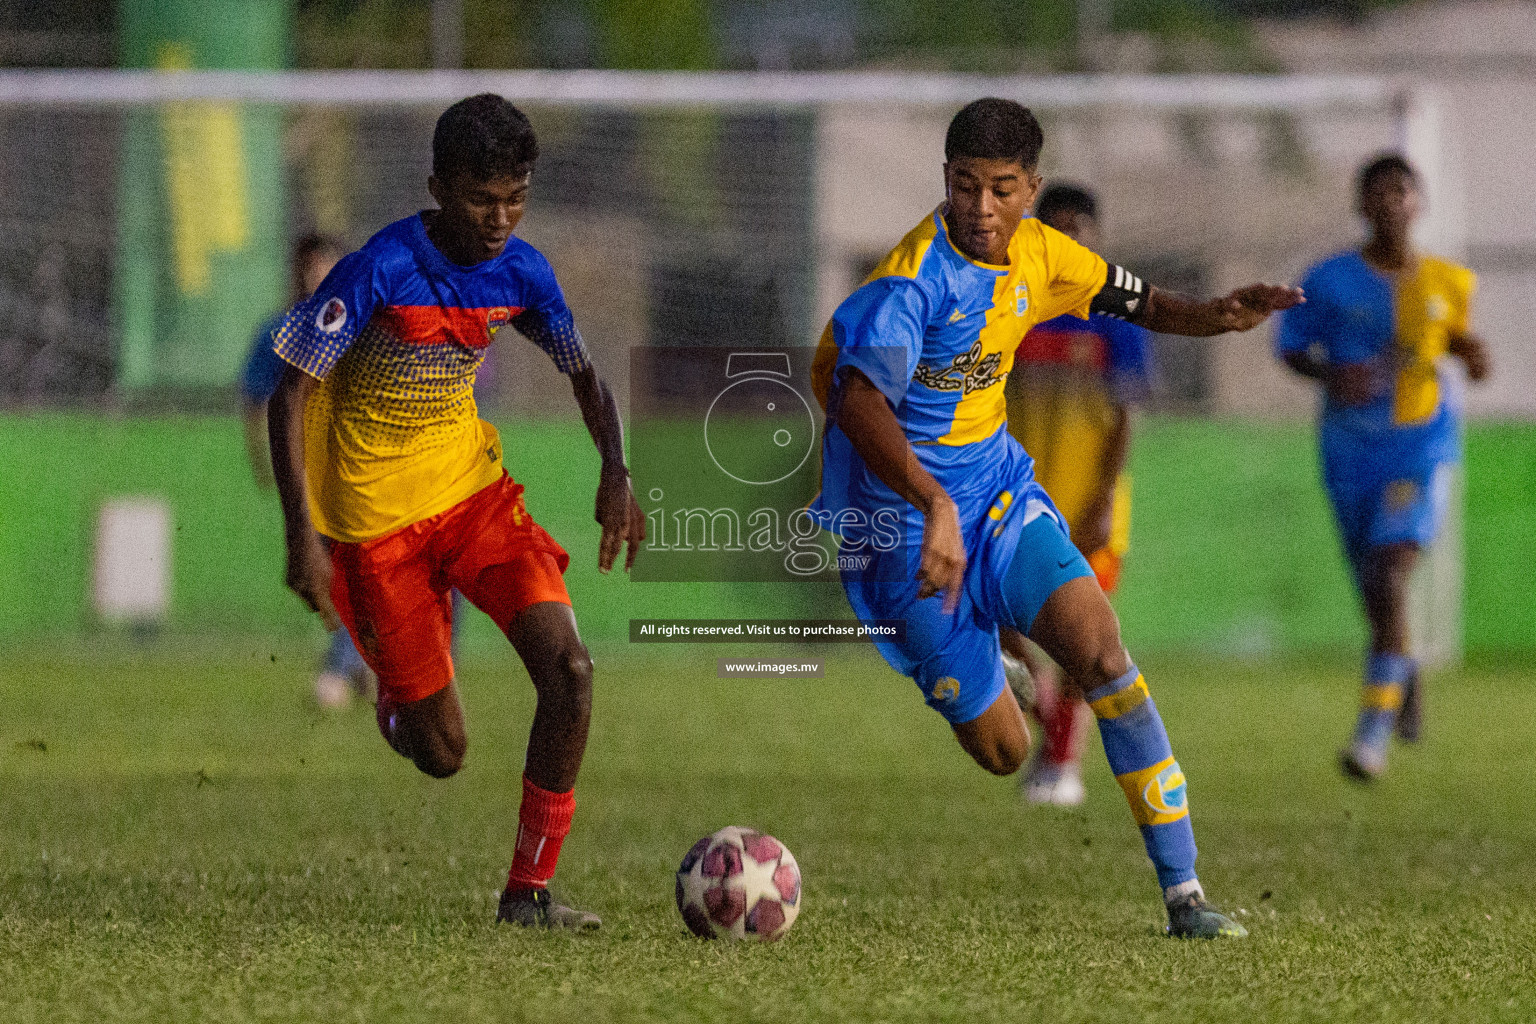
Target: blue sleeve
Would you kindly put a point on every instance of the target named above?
(1305, 325)
(1130, 358)
(879, 331)
(263, 369)
(318, 331)
(548, 323)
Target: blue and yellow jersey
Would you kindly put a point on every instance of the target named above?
(936, 332)
(1400, 323)
(397, 332)
(1070, 378)
(263, 369)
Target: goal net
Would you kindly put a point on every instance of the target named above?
(147, 216)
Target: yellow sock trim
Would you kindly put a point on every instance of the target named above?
(1118, 703)
(1382, 697)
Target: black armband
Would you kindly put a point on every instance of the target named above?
(1124, 296)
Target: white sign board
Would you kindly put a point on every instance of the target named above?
(132, 575)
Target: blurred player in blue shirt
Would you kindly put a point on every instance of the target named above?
(344, 671)
(1375, 330)
(1069, 400)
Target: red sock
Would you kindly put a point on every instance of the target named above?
(543, 822)
(1064, 730)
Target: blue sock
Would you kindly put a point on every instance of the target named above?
(1142, 759)
(342, 657)
(1381, 696)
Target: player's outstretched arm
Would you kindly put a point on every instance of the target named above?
(1241, 310)
(866, 417)
(1473, 353)
(618, 513)
(309, 566)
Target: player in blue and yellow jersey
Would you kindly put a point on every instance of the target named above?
(1375, 332)
(1069, 404)
(378, 447)
(343, 671)
(911, 370)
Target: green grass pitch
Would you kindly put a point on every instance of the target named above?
(182, 838)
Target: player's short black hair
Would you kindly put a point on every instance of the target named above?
(995, 129)
(485, 136)
(1386, 163)
(1066, 196)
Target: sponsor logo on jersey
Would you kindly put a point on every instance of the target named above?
(332, 316)
(946, 690)
(1164, 792)
(966, 373)
(956, 316)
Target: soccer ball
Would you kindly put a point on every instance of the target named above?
(739, 884)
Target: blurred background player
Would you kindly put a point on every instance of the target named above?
(343, 671)
(378, 446)
(911, 371)
(1374, 330)
(1069, 399)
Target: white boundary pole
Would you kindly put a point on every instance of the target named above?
(1437, 591)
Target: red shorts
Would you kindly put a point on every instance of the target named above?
(393, 592)
(1106, 566)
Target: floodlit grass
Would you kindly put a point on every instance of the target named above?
(183, 838)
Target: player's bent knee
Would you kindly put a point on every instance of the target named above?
(1108, 664)
(1006, 756)
(578, 667)
(999, 739)
(432, 731)
(575, 678)
(440, 754)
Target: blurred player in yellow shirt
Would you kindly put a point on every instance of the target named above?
(1069, 400)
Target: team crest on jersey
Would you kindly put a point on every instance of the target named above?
(1020, 299)
(1165, 791)
(332, 316)
(1438, 307)
(966, 373)
(496, 319)
(946, 690)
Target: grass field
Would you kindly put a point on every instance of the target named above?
(183, 839)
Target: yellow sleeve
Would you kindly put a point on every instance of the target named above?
(1464, 284)
(1075, 274)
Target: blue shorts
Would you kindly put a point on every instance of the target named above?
(1016, 561)
(1377, 505)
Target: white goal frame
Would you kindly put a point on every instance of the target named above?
(1438, 585)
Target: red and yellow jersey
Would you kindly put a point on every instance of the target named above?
(1071, 380)
(396, 333)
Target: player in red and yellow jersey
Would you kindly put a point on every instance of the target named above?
(393, 488)
(1069, 397)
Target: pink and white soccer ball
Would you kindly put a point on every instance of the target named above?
(739, 884)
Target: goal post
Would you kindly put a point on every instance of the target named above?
(725, 206)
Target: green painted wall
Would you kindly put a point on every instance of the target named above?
(1232, 544)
